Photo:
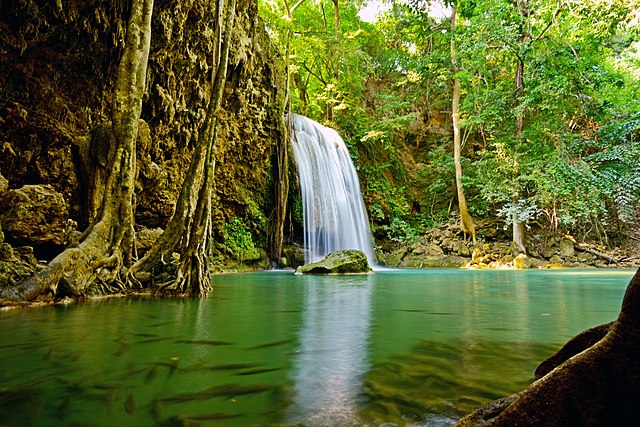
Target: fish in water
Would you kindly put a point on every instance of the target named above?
(257, 371)
(192, 420)
(203, 342)
(124, 348)
(271, 344)
(228, 367)
(214, 416)
(228, 390)
(156, 411)
(130, 404)
(65, 408)
(157, 325)
(150, 340)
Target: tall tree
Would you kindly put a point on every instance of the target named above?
(466, 221)
(189, 230)
(105, 249)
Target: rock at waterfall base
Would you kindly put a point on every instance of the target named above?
(338, 262)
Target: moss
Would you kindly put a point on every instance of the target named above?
(339, 262)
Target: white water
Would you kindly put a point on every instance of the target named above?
(334, 213)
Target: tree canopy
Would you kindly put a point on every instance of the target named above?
(549, 106)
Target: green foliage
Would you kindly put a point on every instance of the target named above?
(386, 87)
(239, 240)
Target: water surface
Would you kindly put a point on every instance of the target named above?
(412, 347)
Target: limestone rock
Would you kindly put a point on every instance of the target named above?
(145, 238)
(339, 262)
(566, 248)
(34, 215)
(556, 260)
(522, 261)
(476, 255)
(294, 255)
(4, 184)
(395, 258)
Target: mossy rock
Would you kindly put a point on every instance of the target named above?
(339, 262)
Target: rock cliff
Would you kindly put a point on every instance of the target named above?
(57, 62)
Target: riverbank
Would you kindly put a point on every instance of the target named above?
(446, 247)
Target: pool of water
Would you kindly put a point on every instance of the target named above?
(404, 347)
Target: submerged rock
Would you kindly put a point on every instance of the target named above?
(338, 262)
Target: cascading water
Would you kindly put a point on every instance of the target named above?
(334, 213)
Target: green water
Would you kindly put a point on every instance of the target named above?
(416, 347)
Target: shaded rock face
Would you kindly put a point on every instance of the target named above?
(34, 215)
(57, 62)
(338, 262)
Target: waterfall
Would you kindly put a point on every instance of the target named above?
(333, 209)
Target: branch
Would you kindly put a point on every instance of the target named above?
(586, 248)
(551, 21)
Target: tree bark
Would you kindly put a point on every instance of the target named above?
(597, 386)
(466, 220)
(519, 238)
(105, 247)
(189, 230)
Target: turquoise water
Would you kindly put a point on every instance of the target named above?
(412, 347)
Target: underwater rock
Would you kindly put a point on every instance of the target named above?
(338, 262)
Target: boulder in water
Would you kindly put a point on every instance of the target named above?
(338, 262)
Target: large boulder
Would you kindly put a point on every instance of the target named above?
(34, 215)
(339, 262)
(566, 248)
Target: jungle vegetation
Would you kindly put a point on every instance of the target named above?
(525, 111)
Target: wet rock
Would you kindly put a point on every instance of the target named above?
(145, 238)
(506, 259)
(555, 259)
(395, 258)
(417, 248)
(522, 261)
(339, 262)
(566, 248)
(294, 255)
(464, 251)
(476, 255)
(34, 215)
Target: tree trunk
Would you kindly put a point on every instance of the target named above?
(466, 221)
(105, 247)
(282, 148)
(597, 386)
(519, 238)
(189, 230)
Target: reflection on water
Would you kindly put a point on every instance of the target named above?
(332, 357)
(414, 348)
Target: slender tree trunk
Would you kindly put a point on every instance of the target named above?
(519, 238)
(282, 148)
(105, 247)
(189, 230)
(466, 221)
